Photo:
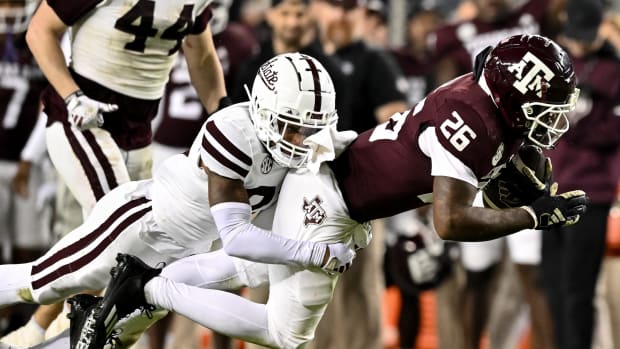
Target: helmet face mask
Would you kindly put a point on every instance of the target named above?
(548, 122)
(15, 15)
(290, 102)
(533, 84)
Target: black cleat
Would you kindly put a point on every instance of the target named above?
(124, 295)
(81, 305)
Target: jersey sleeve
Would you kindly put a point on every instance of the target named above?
(226, 150)
(461, 131)
(443, 163)
(70, 11)
(200, 24)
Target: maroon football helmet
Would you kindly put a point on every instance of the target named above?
(532, 82)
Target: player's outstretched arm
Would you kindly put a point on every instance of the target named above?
(456, 219)
(232, 215)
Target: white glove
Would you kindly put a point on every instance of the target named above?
(85, 113)
(340, 258)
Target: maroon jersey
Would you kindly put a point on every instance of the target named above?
(385, 172)
(586, 156)
(462, 41)
(419, 74)
(21, 83)
(182, 112)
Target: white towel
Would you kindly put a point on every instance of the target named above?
(326, 144)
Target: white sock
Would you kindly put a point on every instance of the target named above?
(35, 326)
(223, 312)
(15, 277)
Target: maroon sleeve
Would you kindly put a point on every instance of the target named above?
(200, 24)
(482, 143)
(70, 11)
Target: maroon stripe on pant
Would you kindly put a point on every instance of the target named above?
(89, 170)
(103, 160)
(89, 257)
(89, 238)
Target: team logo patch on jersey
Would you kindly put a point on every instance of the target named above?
(268, 75)
(266, 165)
(532, 79)
(315, 214)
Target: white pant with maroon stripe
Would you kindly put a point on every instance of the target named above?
(91, 163)
(82, 260)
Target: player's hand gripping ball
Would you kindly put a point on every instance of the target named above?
(526, 177)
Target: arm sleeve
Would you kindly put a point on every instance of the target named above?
(202, 20)
(36, 148)
(70, 11)
(244, 240)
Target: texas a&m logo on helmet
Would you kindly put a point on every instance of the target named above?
(532, 83)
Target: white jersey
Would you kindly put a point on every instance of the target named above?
(227, 144)
(129, 46)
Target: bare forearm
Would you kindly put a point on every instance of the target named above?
(208, 80)
(480, 224)
(45, 47)
(205, 70)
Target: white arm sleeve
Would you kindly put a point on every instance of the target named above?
(245, 240)
(35, 149)
(443, 163)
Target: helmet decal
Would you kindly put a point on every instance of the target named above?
(533, 80)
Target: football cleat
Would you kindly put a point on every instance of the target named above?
(124, 295)
(81, 305)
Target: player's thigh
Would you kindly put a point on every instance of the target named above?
(297, 300)
(478, 256)
(213, 270)
(139, 163)
(525, 246)
(90, 162)
(83, 258)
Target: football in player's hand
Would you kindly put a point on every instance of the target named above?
(532, 157)
(526, 177)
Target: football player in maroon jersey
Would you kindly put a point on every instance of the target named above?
(441, 152)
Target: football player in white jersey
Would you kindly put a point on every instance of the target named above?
(101, 101)
(233, 170)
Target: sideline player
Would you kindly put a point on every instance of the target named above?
(100, 106)
(441, 152)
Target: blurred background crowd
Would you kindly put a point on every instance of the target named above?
(555, 289)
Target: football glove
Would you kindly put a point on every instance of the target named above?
(526, 177)
(340, 258)
(85, 113)
(550, 211)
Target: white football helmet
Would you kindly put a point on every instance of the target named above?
(15, 15)
(292, 98)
